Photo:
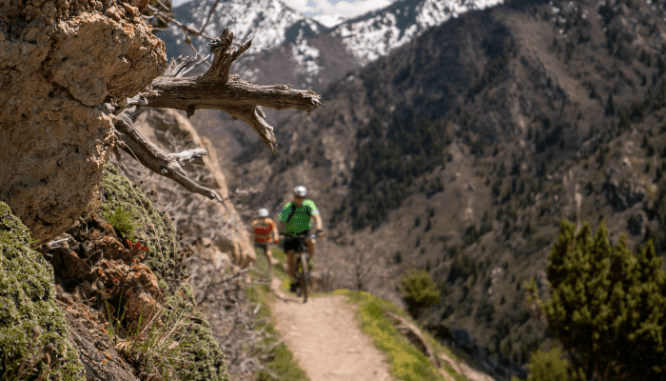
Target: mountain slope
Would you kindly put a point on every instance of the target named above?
(291, 48)
(461, 151)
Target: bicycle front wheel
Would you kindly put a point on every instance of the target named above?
(304, 268)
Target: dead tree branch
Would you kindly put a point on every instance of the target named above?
(212, 10)
(166, 164)
(214, 89)
(217, 89)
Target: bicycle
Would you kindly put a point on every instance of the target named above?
(302, 270)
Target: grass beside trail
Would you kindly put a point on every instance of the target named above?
(282, 364)
(406, 362)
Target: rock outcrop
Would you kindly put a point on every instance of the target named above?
(58, 62)
(120, 281)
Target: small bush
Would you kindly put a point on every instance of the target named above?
(548, 366)
(419, 291)
(122, 220)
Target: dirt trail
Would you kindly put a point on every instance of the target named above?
(325, 338)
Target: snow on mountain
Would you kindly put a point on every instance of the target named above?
(330, 21)
(377, 33)
(268, 23)
(306, 58)
(271, 23)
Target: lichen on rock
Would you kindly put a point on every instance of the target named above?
(153, 229)
(28, 312)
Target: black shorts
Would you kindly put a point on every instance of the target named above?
(293, 242)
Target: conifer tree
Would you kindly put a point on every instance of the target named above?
(607, 306)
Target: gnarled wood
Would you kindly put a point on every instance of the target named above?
(217, 89)
(413, 334)
(166, 164)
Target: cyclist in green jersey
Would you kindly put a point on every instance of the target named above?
(296, 219)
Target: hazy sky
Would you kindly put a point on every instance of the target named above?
(344, 8)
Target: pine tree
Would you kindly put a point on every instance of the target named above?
(419, 291)
(607, 306)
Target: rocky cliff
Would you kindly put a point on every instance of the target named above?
(58, 62)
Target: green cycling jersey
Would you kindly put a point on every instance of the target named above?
(298, 221)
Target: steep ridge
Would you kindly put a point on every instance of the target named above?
(461, 151)
(291, 48)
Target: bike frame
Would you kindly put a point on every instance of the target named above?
(301, 270)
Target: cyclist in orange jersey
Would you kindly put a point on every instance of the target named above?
(265, 234)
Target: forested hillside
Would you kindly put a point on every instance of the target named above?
(461, 152)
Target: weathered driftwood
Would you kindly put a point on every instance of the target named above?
(217, 89)
(413, 334)
(166, 164)
(214, 89)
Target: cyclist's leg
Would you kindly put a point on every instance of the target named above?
(258, 246)
(311, 247)
(290, 263)
(269, 255)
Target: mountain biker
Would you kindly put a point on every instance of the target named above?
(265, 233)
(296, 218)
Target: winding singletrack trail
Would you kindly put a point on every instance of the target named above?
(326, 340)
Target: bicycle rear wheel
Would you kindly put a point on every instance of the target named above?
(303, 263)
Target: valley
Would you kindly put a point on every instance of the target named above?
(461, 150)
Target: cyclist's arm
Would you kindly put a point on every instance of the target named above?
(282, 227)
(318, 224)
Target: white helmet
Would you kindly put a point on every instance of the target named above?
(263, 212)
(300, 191)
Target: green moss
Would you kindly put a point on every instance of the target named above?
(407, 363)
(155, 230)
(28, 313)
(202, 353)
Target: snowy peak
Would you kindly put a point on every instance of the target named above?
(377, 33)
(268, 23)
(315, 49)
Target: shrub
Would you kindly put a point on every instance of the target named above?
(201, 354)
(548, 366)
(607, 306)
(419, 291)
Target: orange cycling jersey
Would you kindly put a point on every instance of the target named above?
(263, 227)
